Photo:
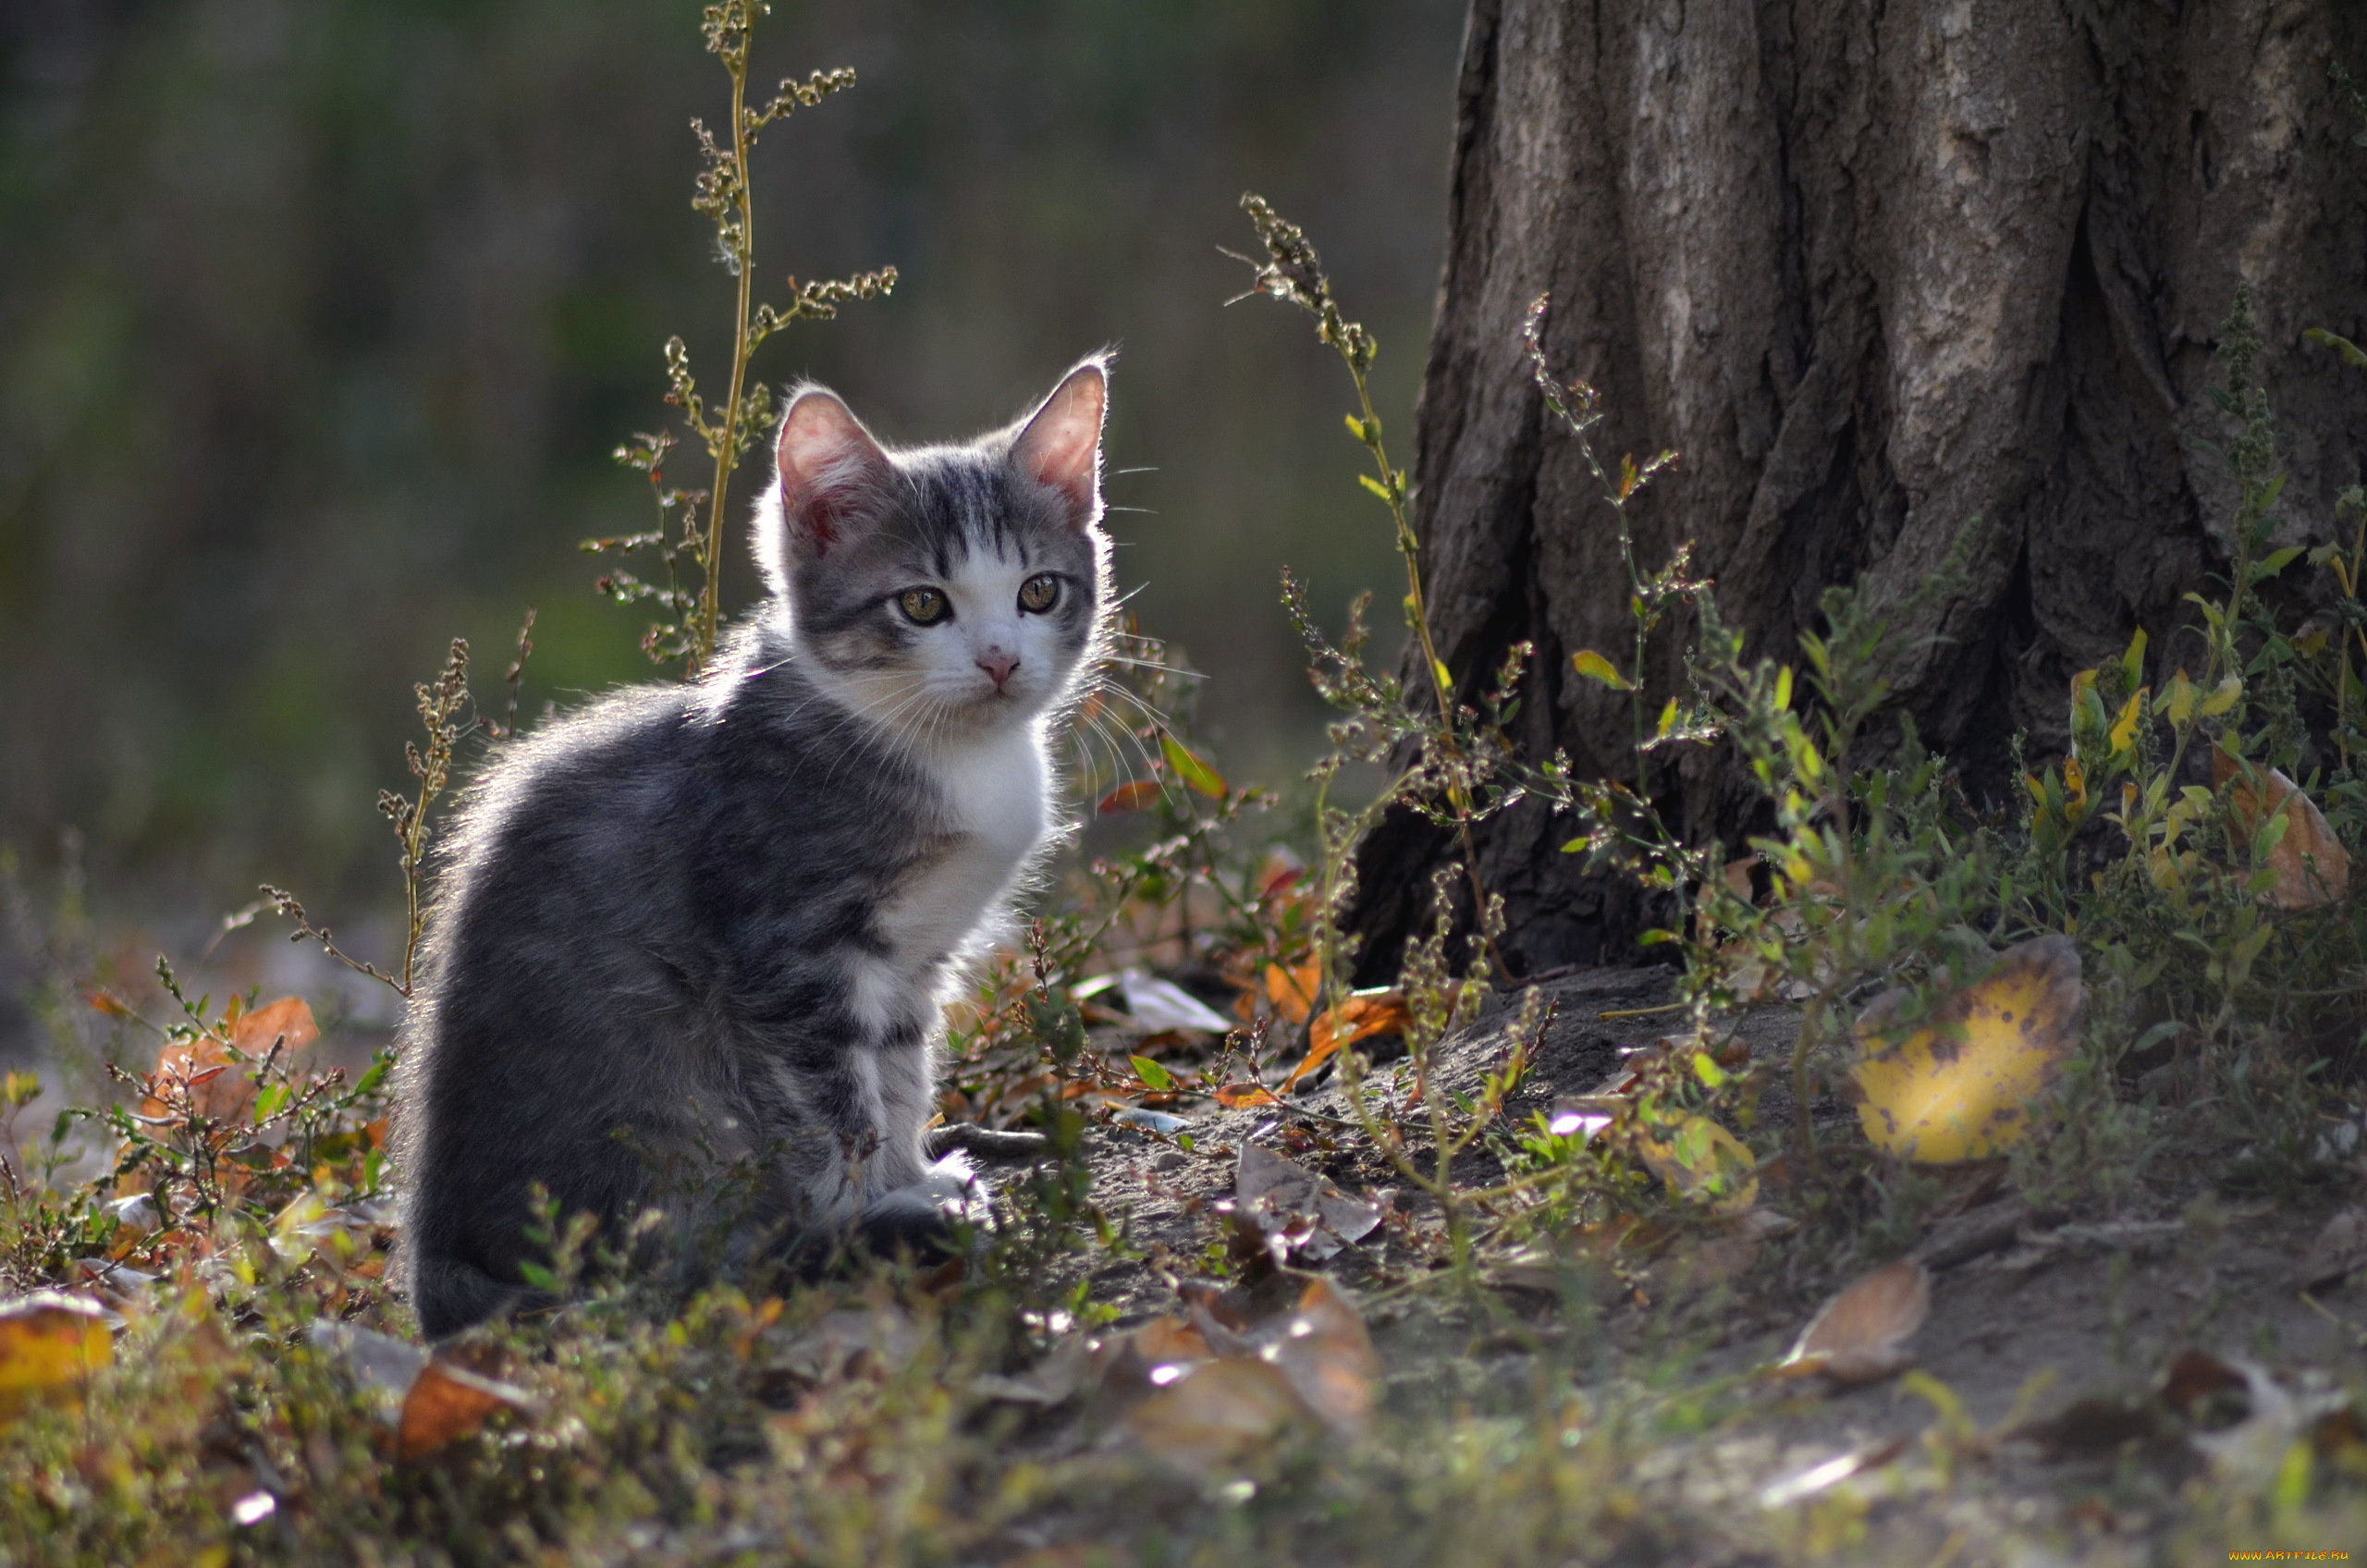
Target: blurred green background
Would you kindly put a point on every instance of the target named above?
(320, 318)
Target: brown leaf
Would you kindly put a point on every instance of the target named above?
(1138, 795)
(1239, 1097)
(1165, 1342)
(2339, 1252)
(1327, 1356)
(288, 1023)
(1860, 1335)
(2194, 1376)
(2311, 866)
(447, 1404)
(1284, 1197)
(1215, 1413)
(1358, 1016)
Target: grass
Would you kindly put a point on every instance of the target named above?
(1577, 1287)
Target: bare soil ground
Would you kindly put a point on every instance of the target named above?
(2052, 1328)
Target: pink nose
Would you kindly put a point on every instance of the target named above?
(998, 665)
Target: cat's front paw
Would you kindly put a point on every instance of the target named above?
(996, 1147)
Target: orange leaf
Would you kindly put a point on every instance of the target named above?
(1236, 1097)
(446, 1403)
(2311, 866)
(1359, 1016)
(1293, 990)
(1860, 1335)
(112, 1006)
(1137, 795)
(1171, 1341)
(288, 1023)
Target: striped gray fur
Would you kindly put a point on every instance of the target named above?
(700, 925)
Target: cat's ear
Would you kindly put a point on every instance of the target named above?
(1061, 445)
(828, 468)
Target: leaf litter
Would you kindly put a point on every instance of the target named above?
(1860, 1335)
(1958, 1085)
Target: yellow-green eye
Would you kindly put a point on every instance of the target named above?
(1039, 593)
(921, 606)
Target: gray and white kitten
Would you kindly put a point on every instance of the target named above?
(720, 919)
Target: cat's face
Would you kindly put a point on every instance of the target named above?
(947, 591)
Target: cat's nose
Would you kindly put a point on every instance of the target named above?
(998, 665)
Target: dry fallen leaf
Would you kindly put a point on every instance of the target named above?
(1238, 1096)
(2339, 1252)
(1286, 1199)
(1860, 1335)
(1357, 1016)
(447, 1404)
(1293, 990)
(1245, 1369)
(2194, 1376)
(1215, 1413)
(1959, 1085)
(428, 1403)
(2311, 864)
(1324, 1351)
(48, 1343)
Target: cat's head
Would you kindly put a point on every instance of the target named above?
(941, 592)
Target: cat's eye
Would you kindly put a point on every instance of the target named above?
(923, 607)
(1039, 593)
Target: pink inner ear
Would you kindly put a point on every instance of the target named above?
(1062, 444)
(825, 457)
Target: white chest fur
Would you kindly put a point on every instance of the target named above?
(995, 792)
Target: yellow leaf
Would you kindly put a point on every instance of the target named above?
(2179, 700)
(1960, 1085)
(1860, 1335)
(1193, 769)
(49, 1342)
(2311, 866)
(1707, 1164)
(2223, 697)
(1594, 667)
(2124, 729)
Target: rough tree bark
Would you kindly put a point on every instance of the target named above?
(1874, 270)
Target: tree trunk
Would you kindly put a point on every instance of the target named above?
(1876, 271)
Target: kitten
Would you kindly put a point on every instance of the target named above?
(716, 921)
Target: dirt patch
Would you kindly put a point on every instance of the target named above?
(2045, 1351)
